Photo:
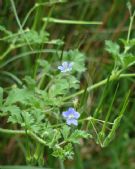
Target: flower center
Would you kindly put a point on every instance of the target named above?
(71, 116)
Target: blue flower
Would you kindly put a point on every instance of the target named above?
(65, 67)
(71, 116)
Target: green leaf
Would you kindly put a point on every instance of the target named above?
(38, 115)
(62, 153)
(14, 114)
(52, 101)
(55, 138)
(65, 131)
(51, 136)
(49, 100)
(112, 48)
(128, 59)
(73, 82)
(60, 86)
(128, 44)
(28, 120)
(112, 132)
(32, 36)
(77, 58)
(31, 83)
(76, 135)
(45, 65)
(17, 95)
(58, 152)
(69, 151)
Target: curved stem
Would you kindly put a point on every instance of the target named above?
(23, 132)
(26, 54)
(12, 76)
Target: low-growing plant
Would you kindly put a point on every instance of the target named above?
(46, 107)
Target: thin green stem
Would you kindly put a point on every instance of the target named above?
(130, 26)
(127, 75)
(8, 131)
(27, 54)
(39, 55)
(101, 83)
(85, 119)
(15, 35)
(94, 119)
(61, 21)
(36, 6)
(78, 159)
(109, 111)
(96, 132)
(30, 133)
(18, 21)
(12, 76)
(61, 164)
(15, 13)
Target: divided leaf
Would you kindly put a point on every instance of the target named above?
(62, 153)
(112, 48)
(121, 59)
(14, 114)
(128, 59)
(77, 58)
(76, 135)
(65, 131)
(32, 36)
(17, 95)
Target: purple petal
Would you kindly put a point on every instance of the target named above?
(76, 114)
(65, 114)
(60, 68)
(70, 65)
(72, 121)
(71, 110)
(65, 65)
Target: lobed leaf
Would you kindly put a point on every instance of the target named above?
(76, 135)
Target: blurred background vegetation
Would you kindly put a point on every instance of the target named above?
(90, 39)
